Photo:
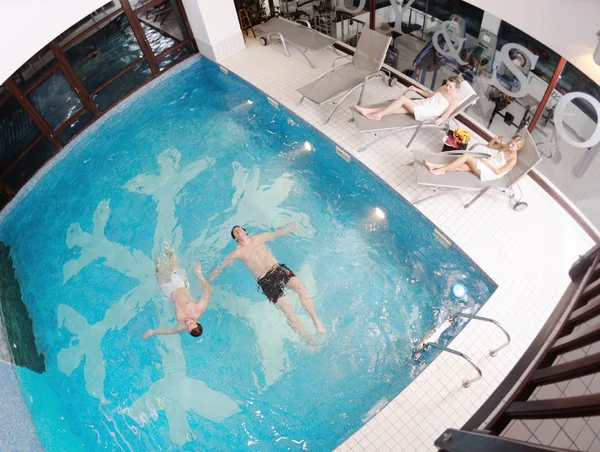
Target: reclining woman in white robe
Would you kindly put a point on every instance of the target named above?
(436, 107)
(488, 169)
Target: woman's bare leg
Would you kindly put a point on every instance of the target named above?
(401, 105)
(465, 162)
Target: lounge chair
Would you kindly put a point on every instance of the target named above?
(528, 157)
(292, 34)
(343, 80)
(402, 122)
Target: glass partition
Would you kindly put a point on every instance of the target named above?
(571, 164)
(28, 164)
(163, 26)
(17, 132)
(55, 99)
(85, 71)
(174, 57)
(508, 69)
(75, 127)
(104, 53)
(123, 85)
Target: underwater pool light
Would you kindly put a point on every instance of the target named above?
(308, 146)
(459, 291)
(379, 213)
(249, 102)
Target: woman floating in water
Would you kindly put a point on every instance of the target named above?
(487, 169)
(437, 106)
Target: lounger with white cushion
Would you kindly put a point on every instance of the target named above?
(292, 34)
(401, 122)
(528, 156)
(343, 80)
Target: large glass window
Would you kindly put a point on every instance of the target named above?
(55, 99)
(572, 169)
(103, 63)
(163, 26)
(104, 53)
(122, 86)
(510, 84)
(174, 57)
(28, 164)
(75, 127)
(17, 132)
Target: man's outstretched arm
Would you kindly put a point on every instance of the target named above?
(287, 229)
(226, 263)
(206, 288)
(175, 330)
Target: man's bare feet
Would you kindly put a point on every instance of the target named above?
(428, 165)
(320, 328)
(437, 172)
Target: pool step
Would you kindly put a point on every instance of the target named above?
(446, 243)
(343, 154)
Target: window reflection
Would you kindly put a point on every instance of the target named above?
(104, 53)
(75, 127)
(29, 164)
(122, 86)
(55, 99)
(163, 26)
(174, 57)
(17, 132)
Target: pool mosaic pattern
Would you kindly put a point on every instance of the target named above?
(186, 175)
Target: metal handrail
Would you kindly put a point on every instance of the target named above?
(493, 351)
(466, 382)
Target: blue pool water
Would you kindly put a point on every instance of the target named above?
(198, 153)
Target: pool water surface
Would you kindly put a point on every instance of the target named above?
(197, 153)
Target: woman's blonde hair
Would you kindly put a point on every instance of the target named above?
(519, 141)
(456, 79)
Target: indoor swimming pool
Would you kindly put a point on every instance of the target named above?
(194, 154)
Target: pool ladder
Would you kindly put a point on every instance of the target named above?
(493, 351)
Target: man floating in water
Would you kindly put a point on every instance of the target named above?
(272, 276)
(174, 285)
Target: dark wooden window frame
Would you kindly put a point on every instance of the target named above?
(88, 104)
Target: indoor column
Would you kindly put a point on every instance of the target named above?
(216, 27)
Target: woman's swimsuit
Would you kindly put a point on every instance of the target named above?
(274, 281)
(177, 281)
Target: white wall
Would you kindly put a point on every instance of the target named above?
(220, 19)
(28, 25)
(568, 27)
